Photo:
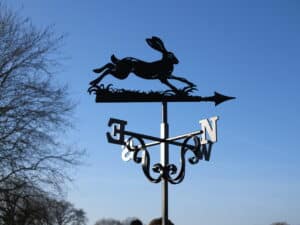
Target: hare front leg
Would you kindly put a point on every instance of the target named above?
(166, 82)
(182, 80)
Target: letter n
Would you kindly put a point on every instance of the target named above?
(209, 128)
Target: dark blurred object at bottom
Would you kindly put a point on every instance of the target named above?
(136, 222)
(158, 221)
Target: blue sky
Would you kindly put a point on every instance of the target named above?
(247, 49)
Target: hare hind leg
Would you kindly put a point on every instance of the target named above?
(106, 66)
(98, 79)
(117, 74)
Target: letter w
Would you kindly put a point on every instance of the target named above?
(205, 150)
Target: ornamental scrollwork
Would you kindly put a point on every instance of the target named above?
(136, 149)
(141, 155)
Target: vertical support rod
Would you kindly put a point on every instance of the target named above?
(164, 157)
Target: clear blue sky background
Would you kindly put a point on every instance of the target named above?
(248, 49)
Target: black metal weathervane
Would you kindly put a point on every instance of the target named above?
(134, 145)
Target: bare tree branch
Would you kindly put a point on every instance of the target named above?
(34, 111)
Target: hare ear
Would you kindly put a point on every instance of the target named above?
(159, 43)
(156, 44)
(149, 42)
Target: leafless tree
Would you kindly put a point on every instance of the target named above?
(64, 213)
(32, 206)
(24, 206)
(79, 217)
(108, 222)
(33, 110)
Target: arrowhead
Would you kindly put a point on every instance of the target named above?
(219, 98)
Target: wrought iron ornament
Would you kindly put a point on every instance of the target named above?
(161, 70)
(135, 148)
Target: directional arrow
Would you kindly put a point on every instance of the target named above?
(217, 98)
(161, 96)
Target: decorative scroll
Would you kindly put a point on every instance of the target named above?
(200, 152)
(144, 159)
(135, 148)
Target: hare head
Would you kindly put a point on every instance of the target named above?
(157, 44)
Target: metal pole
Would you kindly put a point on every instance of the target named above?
(164, 157)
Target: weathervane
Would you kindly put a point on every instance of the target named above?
(134, 145)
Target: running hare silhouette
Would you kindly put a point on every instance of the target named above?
(161, 69)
